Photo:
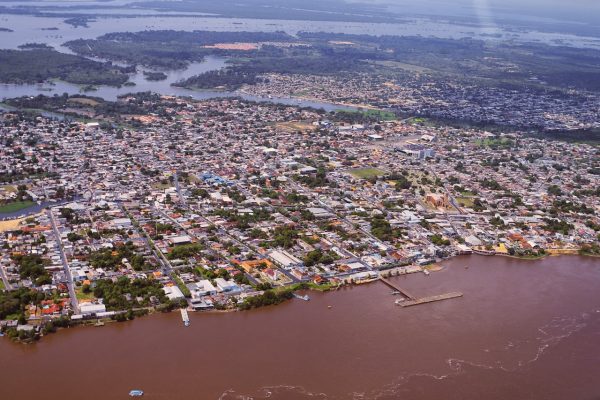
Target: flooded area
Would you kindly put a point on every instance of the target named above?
(29, 28)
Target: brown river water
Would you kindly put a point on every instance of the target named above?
(523, 330)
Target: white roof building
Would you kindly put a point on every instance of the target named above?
(173, 293)
(285, 259)
(91, 308)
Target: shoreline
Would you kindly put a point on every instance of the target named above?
(436, 267)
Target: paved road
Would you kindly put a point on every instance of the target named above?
(7, 285)
(166, 265)
(63, 257)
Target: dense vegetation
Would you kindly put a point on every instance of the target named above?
(382, 230)
(31, 266)
(166, 49)
(37, 65)
(111, 259)
(128, 105)
(115, 294)
(248, 71)
(558, 66)
(15, 301)
(269, 297)
(558, 226)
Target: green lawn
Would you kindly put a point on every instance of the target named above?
(16, 206)
(381, 115)
(161, 186)
(2, 284)
(495, 143)
(465, 201)
(83, 296)
(366, 173)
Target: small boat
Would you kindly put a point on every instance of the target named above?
(395, 293)
(426, 272)
(305, 297)
(136, 393)
(397, 302)
(329, 306)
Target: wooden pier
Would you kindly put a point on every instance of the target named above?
(430, 299)
(398, 289)
(411, 300)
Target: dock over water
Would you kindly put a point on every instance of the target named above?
(411, 300)
(398, 288)
(431, 299)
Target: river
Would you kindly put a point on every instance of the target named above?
(29, 28)
(164, 87)
(55, 32)
(523, 330)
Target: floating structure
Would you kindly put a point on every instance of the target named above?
(185, 317)
(136, 393)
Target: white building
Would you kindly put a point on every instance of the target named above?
(91, 308)
(285, 259)
(173, 293)
(202, 288)
(226, 286)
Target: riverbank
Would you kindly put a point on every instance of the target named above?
(282, 294)
(506, 338)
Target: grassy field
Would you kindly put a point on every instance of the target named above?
(1, 284)
(83, 296)
(402, 66)
(85, 101)
(161, 186)
(366, 173)
(9, 189)
(380, 114)
(10, 225)
(16, 206)
(294, 126)
(465, 201)
(494, 143)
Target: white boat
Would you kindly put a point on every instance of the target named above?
(185, 317)
(426, 272)
(136, 393)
